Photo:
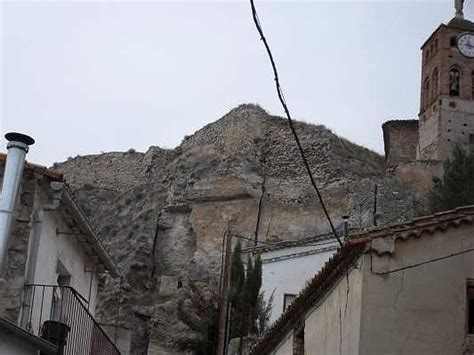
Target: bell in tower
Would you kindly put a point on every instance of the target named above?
(446, 117)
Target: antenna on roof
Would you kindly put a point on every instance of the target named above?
(18, 146)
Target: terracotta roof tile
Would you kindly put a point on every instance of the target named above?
(345, 258)
(53, 174)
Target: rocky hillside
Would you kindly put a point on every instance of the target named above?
(163, 213)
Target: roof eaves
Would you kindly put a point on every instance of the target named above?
(432, 35)
(344, 259)
(90, 233)
(45, 347)
(36, 168)
(288, 243)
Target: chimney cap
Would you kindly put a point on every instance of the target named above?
(19, 137)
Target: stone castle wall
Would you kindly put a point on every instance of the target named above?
(117, 170)
(400, 140)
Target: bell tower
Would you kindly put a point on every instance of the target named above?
(446, 115)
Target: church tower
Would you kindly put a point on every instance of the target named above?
(446, 115)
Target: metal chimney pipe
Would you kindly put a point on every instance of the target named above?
(18, 145)
(345, 227)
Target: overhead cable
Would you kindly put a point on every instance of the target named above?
(424, 262)
(290, 120)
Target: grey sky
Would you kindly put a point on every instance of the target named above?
(86, 77)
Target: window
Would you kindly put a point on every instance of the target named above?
(452, 41)
(454, 82)
(470, 307)
(472, 85)
(63, 279)
(287, 300)
(469, 340)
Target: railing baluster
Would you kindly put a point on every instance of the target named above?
(32, 303)
(85, 334)
(41, 312)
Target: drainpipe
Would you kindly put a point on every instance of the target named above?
(33, 248)
(18, 145)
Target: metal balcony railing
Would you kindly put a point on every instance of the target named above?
(59, 314)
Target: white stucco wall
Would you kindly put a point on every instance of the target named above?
(421, 310)
(285, 347)
(333, 326)
(54, 247)
(286, 271)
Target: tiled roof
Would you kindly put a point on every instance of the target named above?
(461, 24)
(312, 293)
(418, 226)
(93, 244)
(345, 258)
(53, 174)
(265, 247)
(409, 122)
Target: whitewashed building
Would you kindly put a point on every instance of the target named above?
(288, 265)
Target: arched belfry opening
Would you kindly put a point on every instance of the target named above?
(454, 82)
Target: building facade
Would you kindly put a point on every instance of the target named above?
(287, 266)
(407, 289)
(50, 279)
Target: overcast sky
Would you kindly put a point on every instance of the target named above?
(86, 77)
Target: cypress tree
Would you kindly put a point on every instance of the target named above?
(237, 274)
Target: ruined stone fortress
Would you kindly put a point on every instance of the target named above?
(163, 213)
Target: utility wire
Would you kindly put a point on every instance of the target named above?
(309, 244)
(424, 262)
(253, 240)
(290, 121)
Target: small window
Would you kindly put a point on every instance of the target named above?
(64, 277)
(452, 41)
(288, 300)
(472, 85)
(470, 308)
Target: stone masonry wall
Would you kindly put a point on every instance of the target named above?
(11, 287)
(116, 170)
